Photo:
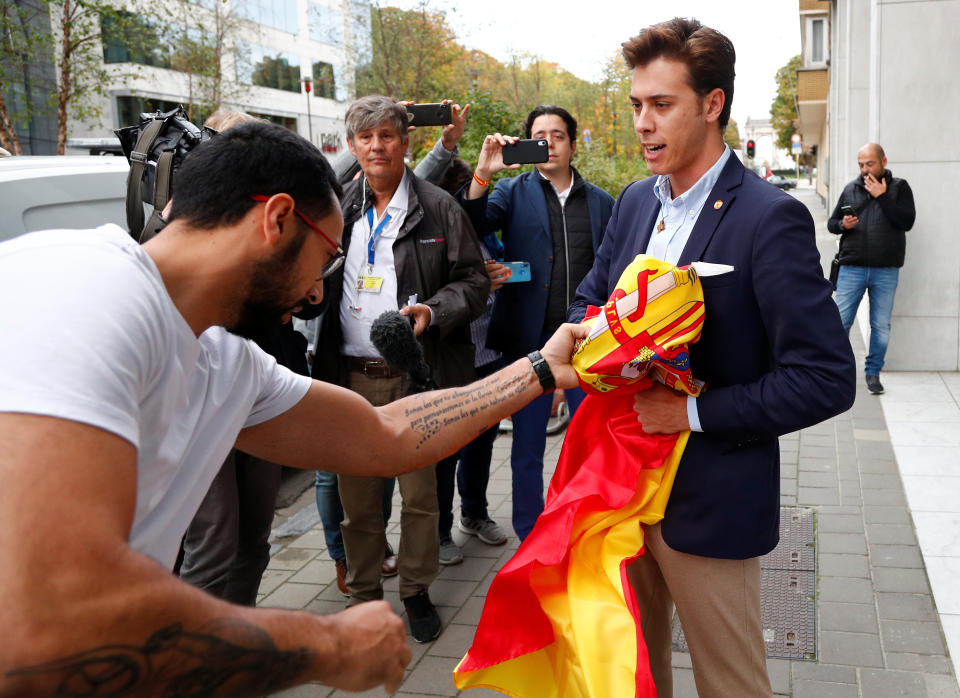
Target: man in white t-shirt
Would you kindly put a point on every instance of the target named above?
(114, 422)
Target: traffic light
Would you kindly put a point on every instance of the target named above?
(751, 148)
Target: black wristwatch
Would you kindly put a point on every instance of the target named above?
(542, 369)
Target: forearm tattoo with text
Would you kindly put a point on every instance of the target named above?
(430, 416)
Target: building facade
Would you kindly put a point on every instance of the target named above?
(892, 80)
(270, 52)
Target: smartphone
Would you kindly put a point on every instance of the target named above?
(526, 151)
(434, 114)
(848, 211)
(519, 271)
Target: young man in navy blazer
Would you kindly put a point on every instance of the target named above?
(773, 353)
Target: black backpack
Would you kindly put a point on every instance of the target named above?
(155, 149)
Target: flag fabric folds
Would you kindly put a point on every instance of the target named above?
(560, 618)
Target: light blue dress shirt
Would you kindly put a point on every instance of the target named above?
(679, 215)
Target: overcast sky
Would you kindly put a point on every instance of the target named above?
(580, 34)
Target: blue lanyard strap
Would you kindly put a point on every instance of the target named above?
(374, 235)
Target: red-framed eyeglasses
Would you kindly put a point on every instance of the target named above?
(332, 264)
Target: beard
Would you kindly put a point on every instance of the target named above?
(270, 294)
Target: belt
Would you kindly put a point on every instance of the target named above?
(371, 368)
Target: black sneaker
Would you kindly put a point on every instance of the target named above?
(424, 621)
(874, 385)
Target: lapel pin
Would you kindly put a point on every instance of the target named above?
(717, 204)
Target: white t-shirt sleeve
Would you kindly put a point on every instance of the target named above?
(280, 388)
(80, 349)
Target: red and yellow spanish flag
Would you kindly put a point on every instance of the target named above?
(560, 617)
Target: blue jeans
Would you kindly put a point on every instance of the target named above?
(880, 283)
(526, 457)
(331, 511)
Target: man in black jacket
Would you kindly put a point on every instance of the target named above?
(872, 216)
(411, 248)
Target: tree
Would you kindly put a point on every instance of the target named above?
(731, 135)
(783, 110)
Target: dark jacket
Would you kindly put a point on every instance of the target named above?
(437, 257)
(518, 208)
(773, 353)
(878, 240)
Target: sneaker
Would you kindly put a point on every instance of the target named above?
(506, 424)
(341, 564)
(874, 385)
(449, 552)
(485, 529)
(424, 621)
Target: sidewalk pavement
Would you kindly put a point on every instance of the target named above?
(885, 490)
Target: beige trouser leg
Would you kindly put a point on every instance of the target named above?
(718, 602)
(363, 536)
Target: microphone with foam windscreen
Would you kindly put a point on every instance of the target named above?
(393, 337)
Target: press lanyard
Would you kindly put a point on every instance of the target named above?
(374, 235)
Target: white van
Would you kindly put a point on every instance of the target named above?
(38, 192)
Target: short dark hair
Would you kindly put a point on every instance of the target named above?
(708, 55)
(556, 111)
(214, 185)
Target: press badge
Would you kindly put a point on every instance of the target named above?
(369, 284)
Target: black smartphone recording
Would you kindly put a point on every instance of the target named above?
(526, 151)
(434, 114)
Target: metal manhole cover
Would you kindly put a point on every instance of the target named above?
(787, 587)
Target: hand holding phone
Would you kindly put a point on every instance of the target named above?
(528, 150)
(848, 211)
(850, 219)
(519, 271)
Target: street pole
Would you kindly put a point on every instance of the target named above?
(306, 86)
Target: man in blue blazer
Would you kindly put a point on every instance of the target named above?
(773, 354)
(554, 219)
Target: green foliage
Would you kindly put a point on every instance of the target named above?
(609, 172)
(783, 110)
(731, 135)
(21, 45)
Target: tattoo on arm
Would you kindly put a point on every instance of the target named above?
(429, 416)
(175, 662)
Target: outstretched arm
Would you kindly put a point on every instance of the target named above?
(84, 614)
(337, 430)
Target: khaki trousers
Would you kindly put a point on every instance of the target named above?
(364, 539)
(718, 603)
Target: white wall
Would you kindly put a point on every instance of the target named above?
(893, 81)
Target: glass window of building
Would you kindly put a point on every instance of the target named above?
(816, 41)
(257, 65)
(324, 84)
(279, 14)
(326, 24)
(129, 38)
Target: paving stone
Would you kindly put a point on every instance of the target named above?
(845, 589)
(887, 515)
(884, 497)
(851, 543)
(821, 465)
(307, 690)
(815, 496)
(848, 617)
(886, 684)
(880, 467)
(454, 641)
(788, 487)
(840, 523)
(900, 579)
(271, 579)
(895, 556)
(822, 452)
(817, 479)
(448, 592)
(852, 649)
(779, 672)
(472, 569)
(890, 534)
(894, 606)
(469, 613)
(316, 572)
(291, 559)
(820, 689)
(787, 471)
(870, 449)
(843, 565)
(925, 663)
(917, 637)
(881, 481)
(432, 676)
(684, 685)
(828, 673)
(290, 595)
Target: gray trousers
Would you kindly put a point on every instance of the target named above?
(226, 548)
